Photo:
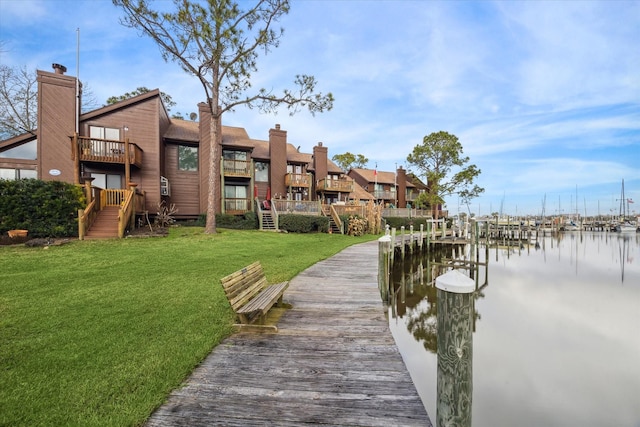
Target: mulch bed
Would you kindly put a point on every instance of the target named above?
(28, 241)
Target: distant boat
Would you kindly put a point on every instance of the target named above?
(570, 225)
(625, 226)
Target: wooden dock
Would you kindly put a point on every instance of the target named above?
(332, 362)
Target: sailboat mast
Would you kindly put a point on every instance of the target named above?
(623, 212)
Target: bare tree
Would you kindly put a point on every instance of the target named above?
(218, 42)
(18, 101)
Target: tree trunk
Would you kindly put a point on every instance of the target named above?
(214, 174)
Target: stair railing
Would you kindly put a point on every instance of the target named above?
(125, 212)
(86, 217)
(275, 216)
(258, 212)
(336, 219)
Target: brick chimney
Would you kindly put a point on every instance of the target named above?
(56, 124)
(401, 178)
(278, 160)
(59, 69)
(320, 163)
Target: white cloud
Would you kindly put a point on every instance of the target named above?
(542, 95)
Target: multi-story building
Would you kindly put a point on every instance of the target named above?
(392, 189)
(168, 158)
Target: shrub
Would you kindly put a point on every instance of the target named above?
(397, 222)
(248, 221)
(165, 218)
(303, 223)
(45, 208)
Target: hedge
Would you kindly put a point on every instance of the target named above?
(397, 222)
(303, 223)
(248, 221)
(44, 208)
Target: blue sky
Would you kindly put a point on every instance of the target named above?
(544, 96)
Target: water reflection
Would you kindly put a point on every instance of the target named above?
(413, 285)
(556, 339)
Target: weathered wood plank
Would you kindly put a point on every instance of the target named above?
(332, 362)
(251, 296)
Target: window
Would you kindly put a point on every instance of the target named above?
(98, 146)
(27, 151)
(294, 169)
(235, 155)
(262, 172)
(235, 163)
(187, 158)
(235, 192)
(236, 198)
(100, 132)
(28, 173)
(13, 174)
(106, 181)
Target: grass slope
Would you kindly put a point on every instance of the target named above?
(97, 333)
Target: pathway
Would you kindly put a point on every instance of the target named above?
(332, 362)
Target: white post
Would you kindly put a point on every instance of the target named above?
(455, 349)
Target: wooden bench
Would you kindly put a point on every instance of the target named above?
(250, 295)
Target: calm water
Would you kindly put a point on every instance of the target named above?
(556, 338)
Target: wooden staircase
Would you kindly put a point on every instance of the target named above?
(105, 225)
(267, 221)
(333, 227)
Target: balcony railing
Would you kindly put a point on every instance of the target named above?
(107, 151)
(297, 206)
(385, 195)
(412, 195)
(236, 206)
(241, 168)
(343, 209)
(296, 180)
(337, 185)
(412, 213)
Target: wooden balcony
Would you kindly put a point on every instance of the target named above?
(302, 207)
(108, 151)
(297, 180)
(236, 206)
(412, 195)
(385, 195)
(335, 185)
(239, 168)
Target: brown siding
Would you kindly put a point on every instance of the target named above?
(320, 161)
(18, 163)
(401, 191)
(185, 188)
(164, 122)
(362, 182)
(56, 124)
(278, 160)
(143, 129)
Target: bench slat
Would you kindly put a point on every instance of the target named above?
(265, 300)
(251, 272)
(249, 293)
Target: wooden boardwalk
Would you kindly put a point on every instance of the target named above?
(333, 361)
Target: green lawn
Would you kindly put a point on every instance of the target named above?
(99, 332)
